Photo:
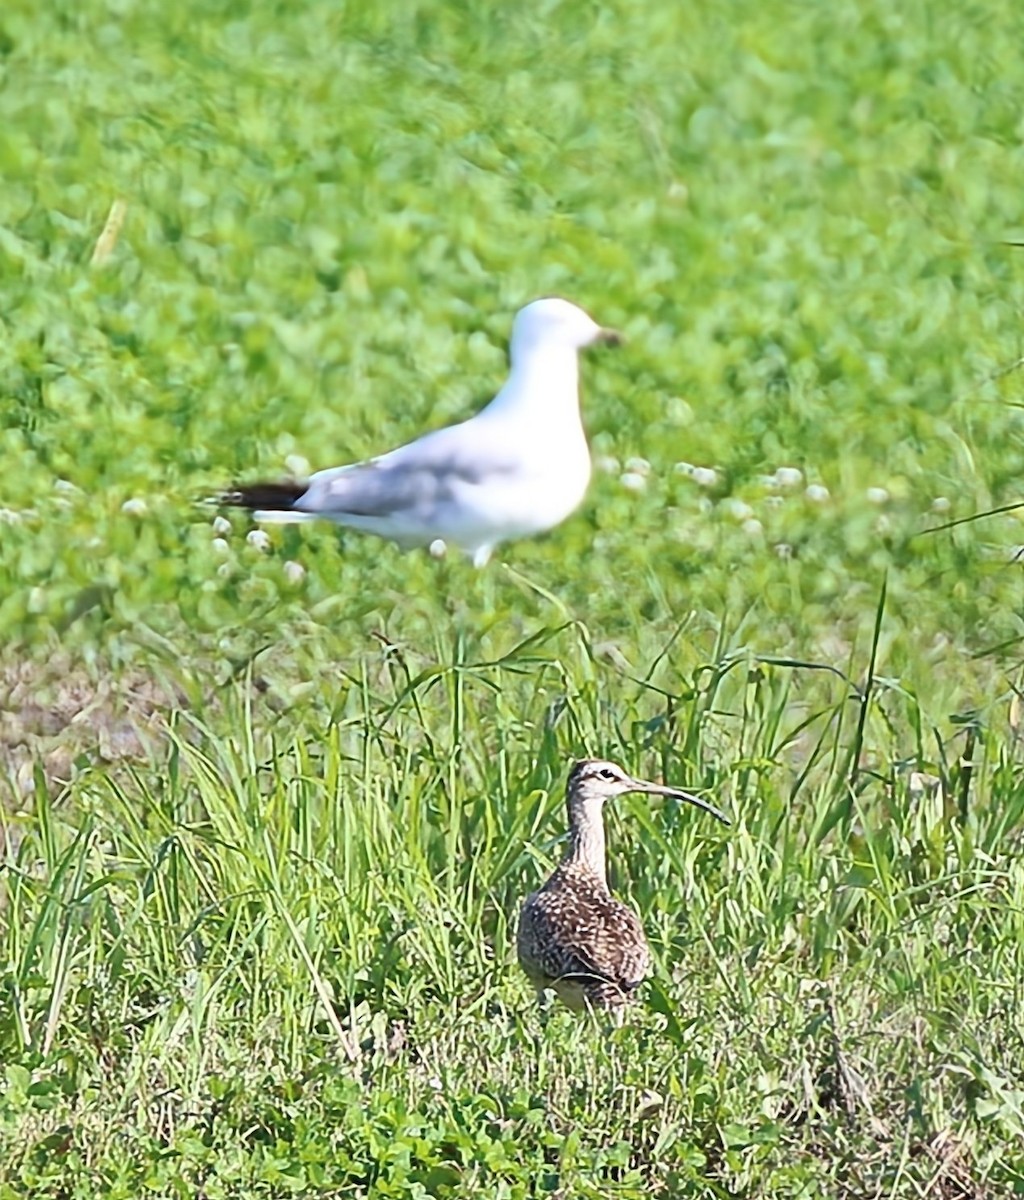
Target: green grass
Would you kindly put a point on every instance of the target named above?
(266, 818)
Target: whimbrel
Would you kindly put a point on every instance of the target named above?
(574, 936)
(519, 467)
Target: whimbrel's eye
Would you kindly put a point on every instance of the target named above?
(606, 774)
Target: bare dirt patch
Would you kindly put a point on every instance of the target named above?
(57, 714)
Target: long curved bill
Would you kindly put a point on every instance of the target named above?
(658, 789)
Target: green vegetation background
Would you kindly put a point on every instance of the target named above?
(267, 815)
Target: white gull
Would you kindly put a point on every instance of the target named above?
(519, 467)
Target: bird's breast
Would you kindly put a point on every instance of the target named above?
(550, 483)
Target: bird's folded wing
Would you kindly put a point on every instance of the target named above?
(415, 477)
(611, 948)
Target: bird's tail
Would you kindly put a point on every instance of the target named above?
(268, 502)
(267, 497)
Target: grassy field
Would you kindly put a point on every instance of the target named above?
(266, 817)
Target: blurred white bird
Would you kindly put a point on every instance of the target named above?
(519, 467)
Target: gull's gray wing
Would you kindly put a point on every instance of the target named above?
(417, 477)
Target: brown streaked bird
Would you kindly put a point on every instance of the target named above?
(574, 936)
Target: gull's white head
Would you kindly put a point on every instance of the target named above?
(554, 323)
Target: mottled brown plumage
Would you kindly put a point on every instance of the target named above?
(574, 936)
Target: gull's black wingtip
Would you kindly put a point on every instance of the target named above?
(270, 497)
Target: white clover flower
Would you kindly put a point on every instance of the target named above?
(789, 476)
(638, 466)
(634, 481)
(768, 481)
(437, 548)
(66, 486)
(135, 507)
(221, 546)
(941, 504)
(683, 468)
(752, 527)
(784, 550)
(817, 493)
(878, 495)
(294, 571)
(678, 411)
(10, 516)
(297, 465)
(225, 570)
(259, 539)
(607, 463)
(221, 525)
(738, 509)
(705, 476)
